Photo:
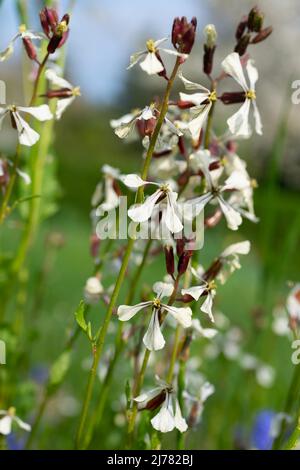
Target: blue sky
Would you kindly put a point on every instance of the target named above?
(103, 35)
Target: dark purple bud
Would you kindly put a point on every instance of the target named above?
(213, 271)
(208, 59)
(255, 20)
(183, 34)
(146, 126)
(233, 97)
(155, 402)
(241, 28)
(169, 257)
(63, 93)
(186, 299)
(49, 20)
(242, 45)
(180, 244)
(183, 262)
(184, 104)
(29, 48)
(264, 34)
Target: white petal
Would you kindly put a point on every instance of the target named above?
(195, 98)
(135, 58)
(164, 421)
(158, 42)
(206, 307)
(208, 333)
(125, 129)
(143, 212)
(5, 425)
(180, 422)
(22, 424)
(193, 207)
(147, 113)
(126, 312)
(171, 218)
(182, 315)
(147, 396)
(56, 80)
(173, 128)
(27, 135)
(153, 339)
(42, 113)
(24, 176)
(257, 118)
(151, 65)
(252, 74)
(62, 105)
(196, 124)
(233, 218)
(163, 289)
(233, 67)
(192, 85)
(206, 391)
(173, 52)
(239, 122)
(133, 181)
(194, 292)
(241, 248)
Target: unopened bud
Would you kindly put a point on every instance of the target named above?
(241, 28)
(255, 20)
(29, 48)
(233, 97)
(146, 126)
(183, 34)
(264, 34)
(184, 262)
(49, 20)
(211, 35)
(242, 45)
(155, 402)
(169, 257)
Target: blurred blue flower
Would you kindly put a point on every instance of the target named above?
(14, 443)
(261, 433)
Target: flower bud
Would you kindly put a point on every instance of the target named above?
(233, 97)
(241, 28)
(49, 20)
(146, 126)
(210, 34)
(183, 34)
(169, 257)
(183, 262)
(242, 45)
(180, 244)
(213, 271)
(155, 402)
(255, 20)
(92, 290)
(264, 34)
(30, 48)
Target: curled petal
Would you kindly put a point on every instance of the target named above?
(126, 312)
(233, 67)
(194, 292)
(192, 85)
(153, 339)
(143, 212)
(180, 422)
(151, 65)
(233, 218)
(252, 74)
(27, 135)
(182, 315)
(206, 307)
(257, 118)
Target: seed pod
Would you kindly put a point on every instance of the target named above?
(208, 59)
(255, 20)
(183, 262)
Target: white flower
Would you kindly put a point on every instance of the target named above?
(153, 338)
(143, 212)
(93, 289)
(27, 135)
(151, 64)
(239, 122)
(230, 259)
(68, 91)
(235, 182)
(293, 303)
(105, 191)
(265, 375)
(125, 126)
(197, 400)
(23, 34)
(203, 101)
(205, 288)
(208, 333)
(7, 420)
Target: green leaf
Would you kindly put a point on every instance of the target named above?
(59, 369)
(80, 318)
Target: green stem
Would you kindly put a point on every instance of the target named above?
(174, 355)
(102, 335)
(8, 192)
(209, 126)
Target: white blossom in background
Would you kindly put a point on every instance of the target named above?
(23, 33)
(239, 122)
(148, 60)
(203, 101)
(27, 136)
(125, 126)
(208, 333)
(93, 290)
(105, 198)
(153, 338)
(143, 212)
(230, 259)
(293, 303)
(204, 288)
(7, 418)
(196, 400)
(69, 90)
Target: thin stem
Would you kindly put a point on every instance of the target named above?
(8, 192)
(114, 297)
(37, 80)
(209, 126)
(174, 355)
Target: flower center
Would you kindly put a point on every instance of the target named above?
(251, 95)
(213, 96)
(11, 411)
(62, 28)
(76, 91)
(12, 108)
(211, 285)
(22, 28)
(151, 46)
(165, 188)
(156, 303)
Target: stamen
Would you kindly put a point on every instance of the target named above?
(151, 46)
